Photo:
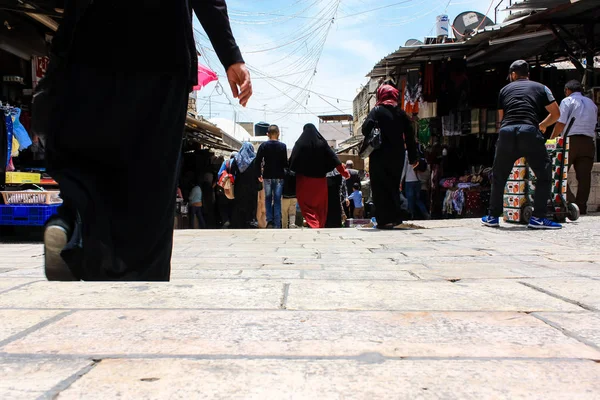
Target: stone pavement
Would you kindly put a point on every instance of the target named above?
(452, 311)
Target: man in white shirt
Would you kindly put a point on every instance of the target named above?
(581, 139)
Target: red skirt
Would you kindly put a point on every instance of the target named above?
(312, 198)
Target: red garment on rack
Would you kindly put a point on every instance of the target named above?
(429, 83)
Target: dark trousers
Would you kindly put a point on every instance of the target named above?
(197, 213)
(100, 151)
(581, 155)
(225, 208)
(385, 186)
(209, 207)
(514, 142)
(412, 190)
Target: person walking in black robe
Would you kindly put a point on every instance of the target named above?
(386, 163)
(246, 188)
(312, 159)
(115, 151)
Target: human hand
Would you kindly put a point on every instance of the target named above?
(415, 165)
(542, 128)
(261, 180)
(239, 80)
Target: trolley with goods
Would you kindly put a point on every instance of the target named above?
(520, 189)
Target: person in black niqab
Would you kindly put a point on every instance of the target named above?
(311, 160)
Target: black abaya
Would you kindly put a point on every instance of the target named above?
(334, 209)
(119, 170)
(246, 198)
(386, 163)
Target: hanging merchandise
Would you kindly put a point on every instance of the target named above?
(427, 110)
(412, 93)
(19, 131)
(15, 147)
(424, 132)
(9, 136)
(429, 94)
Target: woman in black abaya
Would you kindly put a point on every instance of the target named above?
(386, 163)
(311, 160)
(245, 189)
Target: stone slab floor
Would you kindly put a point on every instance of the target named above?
(453, 311)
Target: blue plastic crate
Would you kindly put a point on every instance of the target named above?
(27, 215)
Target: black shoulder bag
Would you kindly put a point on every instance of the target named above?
(372, 142)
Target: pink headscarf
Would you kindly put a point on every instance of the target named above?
(387, 96)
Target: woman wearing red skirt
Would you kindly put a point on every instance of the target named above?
(311, 160)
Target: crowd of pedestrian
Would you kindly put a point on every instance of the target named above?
(97, 236)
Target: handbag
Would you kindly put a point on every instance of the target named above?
(226, 182)
(44, 97)
(371, 143)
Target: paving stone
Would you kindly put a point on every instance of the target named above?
(419, 295)
(285, 266)
(360, 275)
(35, 378)
(337, 379)
(16, 321)
(214, 293)
(583, 325)
(575, 257)
(375, 266)
(8, 284)
(311, 334)
(582, 290)
(485, 271)
(37, 273)
(280, 273)
(579, 268)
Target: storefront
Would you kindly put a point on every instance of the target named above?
(450, 90)
(24, 44)
(205, 146)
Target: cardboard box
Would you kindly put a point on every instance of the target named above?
(515, 201)
(22, 177)
(518, 174)
(515, 187)
(558, 188)
(512, 215)
(521, 162)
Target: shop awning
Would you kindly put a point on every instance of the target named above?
(347, 145)
(543, 30)
(210, 135)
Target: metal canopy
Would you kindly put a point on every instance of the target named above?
(519, 38)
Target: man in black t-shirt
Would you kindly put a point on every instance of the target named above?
(274, 155)
(526, 110)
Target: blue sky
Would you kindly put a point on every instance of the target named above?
(303, 65)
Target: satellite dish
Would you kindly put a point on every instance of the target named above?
(413, 42)
(470, 21)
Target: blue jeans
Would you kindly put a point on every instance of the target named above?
(273, 194)
(413, 196)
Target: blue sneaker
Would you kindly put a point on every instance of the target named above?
(492, 222)
(543, 223)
